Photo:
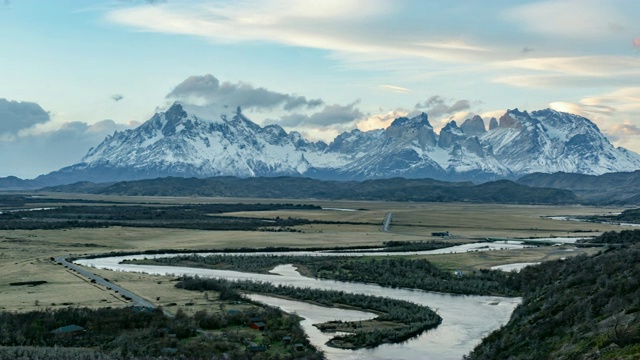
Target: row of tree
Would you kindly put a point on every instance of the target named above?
(391, 271)
(412, 319)
(128, 333)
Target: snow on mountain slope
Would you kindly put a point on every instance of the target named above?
(410, 148)
(192, 143)
(203, 142)
(550, 141)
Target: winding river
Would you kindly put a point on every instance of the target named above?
(466, 318)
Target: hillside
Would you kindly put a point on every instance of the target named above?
(579, 308)
(613, 188)
(397, 189)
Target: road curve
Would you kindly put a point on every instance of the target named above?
(136, 299)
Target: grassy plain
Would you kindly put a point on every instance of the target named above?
(24, 255)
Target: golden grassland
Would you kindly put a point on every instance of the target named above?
(25, 255)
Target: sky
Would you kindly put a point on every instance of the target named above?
(75, 71)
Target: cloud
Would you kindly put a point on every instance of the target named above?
(35, 153)
(38, 144)
(207, 90)
(334, 25)
(623, 132)
(117, 97)
(436, 106)
(151, 2)
(396, 89)
(15, 116)
(330, 115)
(569, 18)
(370, 35)
(381, 121)
(616, 113)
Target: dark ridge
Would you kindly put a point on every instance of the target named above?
(622, 188)
(395, 189)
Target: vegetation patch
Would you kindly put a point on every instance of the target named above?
(578, 308)
(384, 271)
(410, 319)
(195, 216)
(129, 333)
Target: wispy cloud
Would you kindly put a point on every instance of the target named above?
(570, 18)
(617, 113)
(396, 89)
(335, 25)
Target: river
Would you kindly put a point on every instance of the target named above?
(466, 319)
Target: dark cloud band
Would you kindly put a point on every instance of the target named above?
(436, 106)
(209, 90)
(15, 115)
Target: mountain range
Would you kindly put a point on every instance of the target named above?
(191, 141)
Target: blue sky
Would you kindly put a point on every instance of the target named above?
(73, 72)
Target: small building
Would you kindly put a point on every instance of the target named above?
(286, 339)
(298, 346)
(233, 312)
(67, 330)
(258, 325)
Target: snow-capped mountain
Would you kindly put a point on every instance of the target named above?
(411, 148)
(550, 141)
(190, 141)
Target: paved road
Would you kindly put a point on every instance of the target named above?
(136, 299)
(386, 222)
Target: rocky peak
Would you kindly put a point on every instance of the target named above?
(473, 126)
(410, 129)
(414, 122)
(173, 117)
(506, 121)
(493, 124)
(450, 135)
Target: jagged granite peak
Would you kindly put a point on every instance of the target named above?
(191, 141)
(415, 122)
(196, 141)
(493, 123)
(506, 121)
(550, 141)
(450, 135)
(416, 129)
(473, 126)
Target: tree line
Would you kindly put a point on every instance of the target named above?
(385, 271)
(411, 319)
(578, 308)
(138, 334)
